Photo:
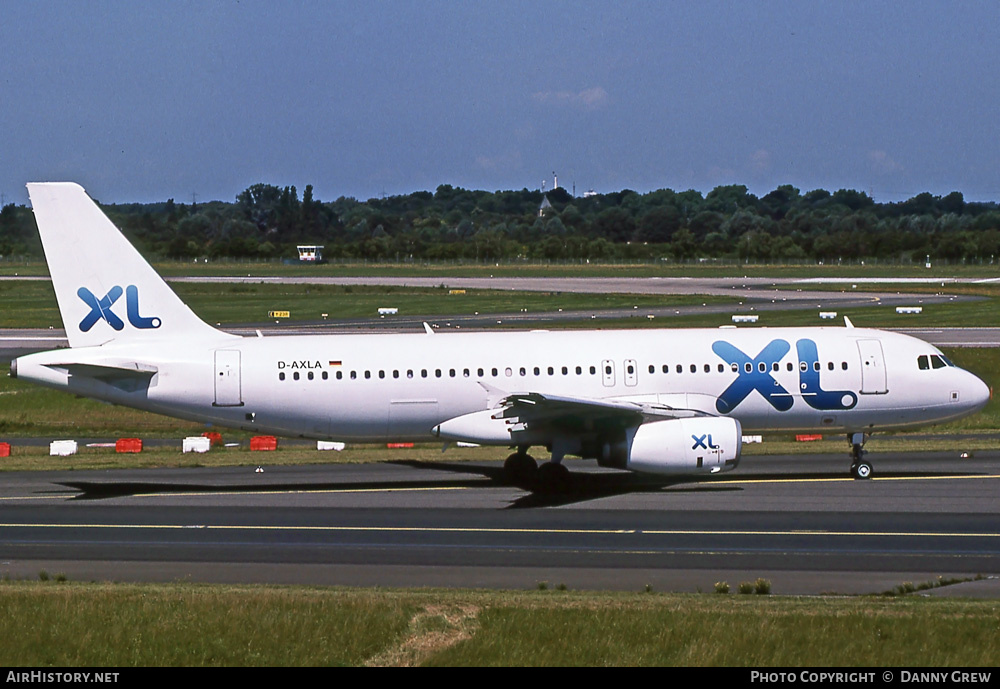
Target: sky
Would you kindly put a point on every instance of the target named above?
(145, 101)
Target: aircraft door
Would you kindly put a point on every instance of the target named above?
(228, 388)
(608, 373)
(631, 372)
(873, 379)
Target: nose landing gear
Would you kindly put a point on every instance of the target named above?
(861, 468)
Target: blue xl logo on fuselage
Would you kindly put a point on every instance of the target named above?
(755, 374)
(100, 309)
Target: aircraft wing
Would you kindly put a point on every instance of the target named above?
(539, 416)
(541, 407)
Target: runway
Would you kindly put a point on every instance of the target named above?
(794, 520)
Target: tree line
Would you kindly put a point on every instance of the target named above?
(451, 223)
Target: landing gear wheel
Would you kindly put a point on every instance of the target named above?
(861, 470)
(860, 467)
(520, 469)
(553, 477)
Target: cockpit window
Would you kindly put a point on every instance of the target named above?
(928, 361)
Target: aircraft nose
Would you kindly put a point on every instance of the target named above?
(976, 393)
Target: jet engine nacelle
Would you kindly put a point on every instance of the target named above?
(694, 445)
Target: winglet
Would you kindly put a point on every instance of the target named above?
(847, 322)
(428, 329)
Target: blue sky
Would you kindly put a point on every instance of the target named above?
(155, 100)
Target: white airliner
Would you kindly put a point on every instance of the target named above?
(658, 401)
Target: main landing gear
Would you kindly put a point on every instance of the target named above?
(861, 468)
(521, 469)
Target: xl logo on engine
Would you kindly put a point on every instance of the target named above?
(699, 441)
(100, 309)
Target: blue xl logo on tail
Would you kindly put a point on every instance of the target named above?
(100, 309)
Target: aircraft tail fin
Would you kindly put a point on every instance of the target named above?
(105, 289)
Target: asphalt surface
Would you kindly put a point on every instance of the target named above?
(797, 521)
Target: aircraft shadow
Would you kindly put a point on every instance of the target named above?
(578, 487)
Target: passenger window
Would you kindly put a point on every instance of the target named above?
(843, 365)
(281, 376)
(295, 375)
(381, 374)
(775, 367)
(593, 370)
(829, 366)
(680, 369)
(762, 367)
(722, 368)
(694, 369)
(708, 368)
(552, 371)
(325, 375)
(354, 375)
(736, 369)
(789, 366)
(368, 374)
(652, 369)
(666, 368)
(748, 367)
(310, 375)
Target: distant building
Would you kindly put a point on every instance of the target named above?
(310, 252)
(546, 206)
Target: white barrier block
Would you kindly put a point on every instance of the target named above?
(329, 445)
(62, 448)
(197, 443)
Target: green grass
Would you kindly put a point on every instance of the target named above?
(125, 625)
(250, 303)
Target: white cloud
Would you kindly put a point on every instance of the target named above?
(587, 99)
(760, 160)
(882, 163)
